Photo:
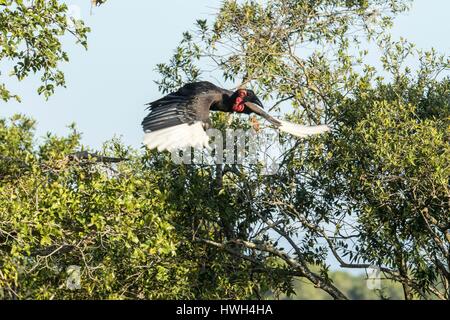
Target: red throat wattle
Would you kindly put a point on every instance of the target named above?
(238, 105)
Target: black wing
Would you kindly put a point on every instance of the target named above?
(183, 112)
(189, 104)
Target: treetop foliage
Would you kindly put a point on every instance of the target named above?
(375, 192)
(30, 39)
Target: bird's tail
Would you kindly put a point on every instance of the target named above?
(301, 130)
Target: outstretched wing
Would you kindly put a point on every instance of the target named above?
(179, 119)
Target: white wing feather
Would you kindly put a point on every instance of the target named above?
(301, 130)
(193, 135)
(178, 137)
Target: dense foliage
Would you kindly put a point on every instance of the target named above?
(375, 192)
(117, 222)
(30, 40)
(372, 193)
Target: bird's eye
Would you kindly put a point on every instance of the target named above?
(242, 93)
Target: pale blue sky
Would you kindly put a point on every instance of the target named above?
(108, 85)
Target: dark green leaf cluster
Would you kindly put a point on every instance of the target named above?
(30, 39)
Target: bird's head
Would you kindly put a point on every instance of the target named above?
(240, 97)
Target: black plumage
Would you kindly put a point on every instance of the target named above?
(191, 103)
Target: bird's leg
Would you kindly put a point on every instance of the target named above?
(255, 123)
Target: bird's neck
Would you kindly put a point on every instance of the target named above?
(225, 104)
(234, 103)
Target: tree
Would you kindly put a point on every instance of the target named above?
(30, 39)
(111, 221)
(56, 211)
(375, 191)
(121, 225)
(391, 163)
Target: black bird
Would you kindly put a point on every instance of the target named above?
(180, 118)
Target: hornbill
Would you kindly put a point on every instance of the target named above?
(180, 118)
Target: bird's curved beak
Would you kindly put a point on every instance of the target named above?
(259, 111)
(258, 102)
